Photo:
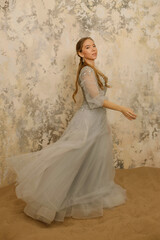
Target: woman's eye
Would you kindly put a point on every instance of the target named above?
(93, 46)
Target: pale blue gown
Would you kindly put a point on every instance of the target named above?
(73, 177)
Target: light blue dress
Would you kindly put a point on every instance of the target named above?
(73, 177)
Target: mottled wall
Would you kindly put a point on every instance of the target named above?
(38, 69)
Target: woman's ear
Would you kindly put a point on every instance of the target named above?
(80, 54)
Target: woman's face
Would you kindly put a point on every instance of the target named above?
(89, 50)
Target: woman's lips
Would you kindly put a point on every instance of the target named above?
(94, 54)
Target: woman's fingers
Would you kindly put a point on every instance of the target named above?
(132, 114)
(130, 117)
(129, 113)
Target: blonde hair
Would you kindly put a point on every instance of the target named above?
(82, 64)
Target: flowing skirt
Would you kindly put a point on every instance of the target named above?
(73, 177)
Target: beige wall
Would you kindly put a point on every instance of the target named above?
(38, 69)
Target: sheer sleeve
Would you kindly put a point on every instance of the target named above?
(93, 95)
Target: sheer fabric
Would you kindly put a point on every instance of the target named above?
(93, 94)
(73, 177)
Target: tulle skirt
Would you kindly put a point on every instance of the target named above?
(73, 177)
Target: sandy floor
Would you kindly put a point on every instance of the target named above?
(137, 219)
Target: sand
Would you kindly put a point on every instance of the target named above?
(137, 219)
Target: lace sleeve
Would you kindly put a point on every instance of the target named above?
(88, 82)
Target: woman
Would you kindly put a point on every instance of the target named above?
(74, 177)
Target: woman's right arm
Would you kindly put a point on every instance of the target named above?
(127, 112)
(94, 97)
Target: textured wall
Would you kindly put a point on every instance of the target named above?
(38, 69)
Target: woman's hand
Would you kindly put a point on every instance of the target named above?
(128, 113)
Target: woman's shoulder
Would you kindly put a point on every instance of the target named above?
(86, 69)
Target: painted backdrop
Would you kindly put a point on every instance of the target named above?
(38, 66)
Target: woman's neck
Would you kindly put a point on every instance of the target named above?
(91, 62)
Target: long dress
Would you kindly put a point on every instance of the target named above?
(73, 177)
